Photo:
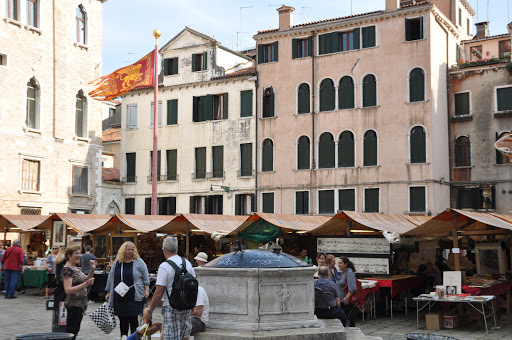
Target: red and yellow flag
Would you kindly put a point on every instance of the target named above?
(125, 79)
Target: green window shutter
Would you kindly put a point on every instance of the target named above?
(238, 204)
(346, 154)
(166, 67)
(194, 62)
(335, 42)
(276, 53)
(416, 85)
(417, 199)
(370, 148)
(172, 158)
(303, 99)
(421, 27)
(192, 205)
(347, 199)
(158, 165)
(195, 109)
(130, 167)
(357, 38)
(327, 95)
(322, 44)
(301, 202)
(147, 206)
(310, 46)
(205, 60)
(369, 91)
(246, 103)
(200, 162)
(268, 202)
(504, 98)
(271, 103)
(172, 112)
(208, 107)
(368, 36)
(407, 30)
(326, 151)
(260, 54)
(303, 153)
(253, 202)
(218, 161)
(294, 48)
(371, 200)
(346, 93)
(225, 106)
(326, 202)
(175, 71)
(267, 155)
(246, 159)
(418, 145)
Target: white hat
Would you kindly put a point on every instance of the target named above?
(201, 256)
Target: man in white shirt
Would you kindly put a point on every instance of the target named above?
(200, 312)
(176, 323)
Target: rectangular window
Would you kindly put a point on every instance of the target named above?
(12, 10)
(217, 162)
(111, 112)
(460, 17)
(30, 175)
(219, 106)
(468, 25)
(129, 206)
(172, 112)
(302, 202)
(130, 167)
(417, 200)
(371, 200)
(198, 104)
(158, 165)
(197, 204)
(347, 199)
(166, 205)
(476, 198)
(414, 29)
(131, 116)
(80, 185)
(200, 168)
(199, 62)
(80, 117)
(346, 41)
(147, 206)
(32, 13)
(267, 202)
(461, 104)
(152, 113)
(170, 66)
(302, 47)
(246, 103)
(504, 49)
(475, 53)
(214, 205)
(326, 202)
(244, 204)
(246, 159)
(368, 37)
(172, 164)
(504, 98)
(32, 119)
(267, 53)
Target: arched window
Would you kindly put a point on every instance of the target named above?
(346, 150)
(80, 25)
(267, 155)
(303, 99)
(369, 91)
(268, 102)
(500, 157)
(81, 115)
(327, 95)
(326, 151)
(346, 93)
(462, 151)
(417, 85)
(33, 92)
(303, 151)
(370, 148)
(418, 145)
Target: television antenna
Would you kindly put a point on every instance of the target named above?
(303, 13)
(240, 27)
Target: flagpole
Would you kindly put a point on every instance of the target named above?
(154, 161)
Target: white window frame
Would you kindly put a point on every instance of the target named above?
(362, 149)
(361, 38)
(311, 146)
(37, 14)
(409, 199)
(261, 199)
(297, 99)
(318, 201)
(364, 198)
(32, 158)
(355, 197)
(295, 201)
(496, 97)
(424, 28)
(18, 14)
(409, 144)
(85, 43)
(81, 164)
(470, 104)
(424, 86)
(85, 112)
(39, 106)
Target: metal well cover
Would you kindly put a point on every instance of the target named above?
(256, 258)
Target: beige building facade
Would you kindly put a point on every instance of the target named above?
(50, 131)
(352, 112)
(206, 132)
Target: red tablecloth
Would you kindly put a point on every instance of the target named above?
(498, 289)
(398, 283)
(367, 291)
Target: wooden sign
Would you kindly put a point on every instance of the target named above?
(354, 245)
(371, 265)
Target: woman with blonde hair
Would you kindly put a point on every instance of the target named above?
(330, 262)
(130, 269)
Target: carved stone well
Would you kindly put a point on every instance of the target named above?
(259, 290)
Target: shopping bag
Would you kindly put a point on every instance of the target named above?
(103, 317)
(133, 336)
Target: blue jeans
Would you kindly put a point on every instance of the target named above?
(11, 280)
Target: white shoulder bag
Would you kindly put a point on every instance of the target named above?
(122, 288)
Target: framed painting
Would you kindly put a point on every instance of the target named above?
(59, 233)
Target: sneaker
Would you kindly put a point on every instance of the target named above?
(124, 337)
(2, 292)
(22, 291)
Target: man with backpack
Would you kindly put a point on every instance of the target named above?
(176, 286)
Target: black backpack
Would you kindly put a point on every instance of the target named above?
(184, 288)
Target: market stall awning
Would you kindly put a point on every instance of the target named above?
(21, 222)
(142, 223)
(507, 218)
(468, 221)
(355, 222)
(418, 220)
(298, 223)
(82, 223)
(212, 224)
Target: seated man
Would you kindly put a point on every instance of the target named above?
(200, 312)
(327, 302)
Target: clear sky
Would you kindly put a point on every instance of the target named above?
(128, 24)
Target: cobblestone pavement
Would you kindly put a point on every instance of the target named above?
(27, 314)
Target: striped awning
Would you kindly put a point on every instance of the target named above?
(300, 223)
(83, 223)
(418, 220)
(211, 224)
(22, 222)
(142, 223)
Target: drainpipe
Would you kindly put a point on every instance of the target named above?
(54, 76)
(312, 177)
(257, 83)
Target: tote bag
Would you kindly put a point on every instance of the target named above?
(103, 317)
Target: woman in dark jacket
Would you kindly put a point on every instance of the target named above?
(347, 277)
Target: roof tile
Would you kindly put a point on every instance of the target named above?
(111, 174)
(112, 135)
